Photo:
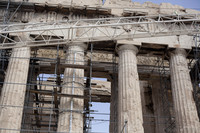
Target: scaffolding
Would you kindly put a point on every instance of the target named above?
(195, 71)
(100, 29)
(43, 94)
(44, 86)
(45, 81)
(165, 92)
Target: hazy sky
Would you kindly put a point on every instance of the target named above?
(103, 126)
(195, 4)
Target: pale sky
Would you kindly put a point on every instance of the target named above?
(103, 126)
(195, 4)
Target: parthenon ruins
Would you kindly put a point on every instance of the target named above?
(58, 58)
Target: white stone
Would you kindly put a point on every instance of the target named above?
(169, 9)
(187, 120)
(129, 98)
(14, 89)
(73, 83)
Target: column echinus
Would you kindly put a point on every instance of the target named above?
(130, 118)
(71, 109)
(13, 91)
(187, 120)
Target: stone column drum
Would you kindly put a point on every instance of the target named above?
(130, 106)
(13, 91)
(187, 120)
(73, 83)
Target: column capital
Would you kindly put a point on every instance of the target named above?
(22, 37)
(80, 44)
(128, 47)
(178, 51)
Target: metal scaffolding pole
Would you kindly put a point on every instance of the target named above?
(90, 96)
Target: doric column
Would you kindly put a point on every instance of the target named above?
(187, 120)
(13, 91)
(73, 83)
(130, 106)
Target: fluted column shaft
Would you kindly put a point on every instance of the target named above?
(13, 91)
(185, 110)
(130, 106)
(73, 83)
